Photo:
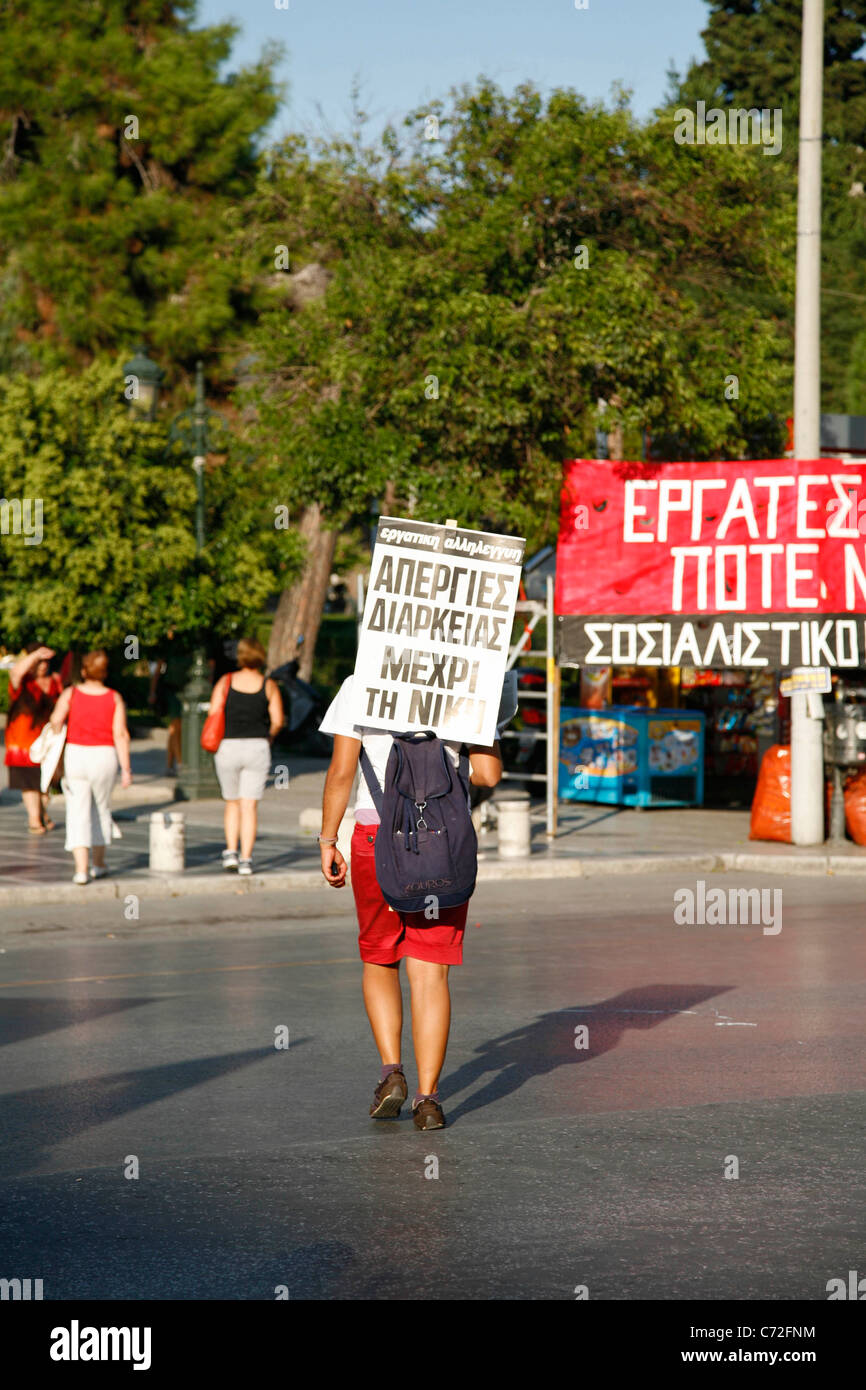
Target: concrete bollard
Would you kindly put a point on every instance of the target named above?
(513, 824)
(167, 842)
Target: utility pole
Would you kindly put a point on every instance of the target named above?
(807, 758)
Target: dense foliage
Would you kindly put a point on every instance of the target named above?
(753, 60)
(116, 553)
(432, 321)
(464, 341)
(123, 154)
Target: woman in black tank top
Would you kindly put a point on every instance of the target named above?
(247, 713)
(253, 715)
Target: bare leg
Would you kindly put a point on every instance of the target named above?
(431, 1019)
(79, 856)
(98, 856)
(249, 825)
(33, 806)
(46, 818)
(232, 821)
(383, 1000)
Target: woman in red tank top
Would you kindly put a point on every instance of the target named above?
(96, 739)
(91, 717)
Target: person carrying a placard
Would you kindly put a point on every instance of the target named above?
(386, 936)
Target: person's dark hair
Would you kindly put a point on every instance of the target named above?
(251, 653)
(94, 665)
(33, 646)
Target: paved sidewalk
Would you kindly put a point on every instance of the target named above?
(591, 840)
(38, 869)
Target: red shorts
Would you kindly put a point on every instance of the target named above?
(386, 936)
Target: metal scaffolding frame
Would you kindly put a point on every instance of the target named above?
(535, 610)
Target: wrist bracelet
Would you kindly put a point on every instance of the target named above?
(323, 840)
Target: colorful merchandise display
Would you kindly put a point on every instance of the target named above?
(632, 756)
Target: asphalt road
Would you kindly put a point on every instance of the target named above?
(150, 1044)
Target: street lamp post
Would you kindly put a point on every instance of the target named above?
(201, 431)
(195, 429)
(142, 380)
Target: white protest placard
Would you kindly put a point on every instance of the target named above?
(436, 631)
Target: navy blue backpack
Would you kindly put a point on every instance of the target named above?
(426, 843)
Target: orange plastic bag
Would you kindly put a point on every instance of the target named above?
(771, 808)
(855, 808)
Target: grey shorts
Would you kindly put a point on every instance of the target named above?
(242, 766)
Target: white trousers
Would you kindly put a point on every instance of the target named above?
(88, 778)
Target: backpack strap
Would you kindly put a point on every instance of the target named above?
(372, 781)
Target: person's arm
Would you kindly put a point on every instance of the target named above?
(338, 789)
(21, 670)
(219, 694)
(275, 707)
(120, 734)
(60, 712)
(485, 765)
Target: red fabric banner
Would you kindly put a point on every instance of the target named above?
(768, 536)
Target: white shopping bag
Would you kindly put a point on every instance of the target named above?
(45, 750)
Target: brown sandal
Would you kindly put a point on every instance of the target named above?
(37, 829)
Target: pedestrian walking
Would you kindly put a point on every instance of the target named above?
(430, 944)
(97, 739)
(33, 692)
(169, 674)
(253, 712)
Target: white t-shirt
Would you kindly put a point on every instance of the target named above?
(376, 743)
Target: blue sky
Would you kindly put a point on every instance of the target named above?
(407, 52)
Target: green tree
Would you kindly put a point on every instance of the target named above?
(460, 349)
(753, 60)
(116, 553)
(122, 156)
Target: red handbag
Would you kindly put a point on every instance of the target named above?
(215, 725)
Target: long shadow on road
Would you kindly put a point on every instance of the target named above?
(36, 1121)
(21, 1019)
(549, 1042)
